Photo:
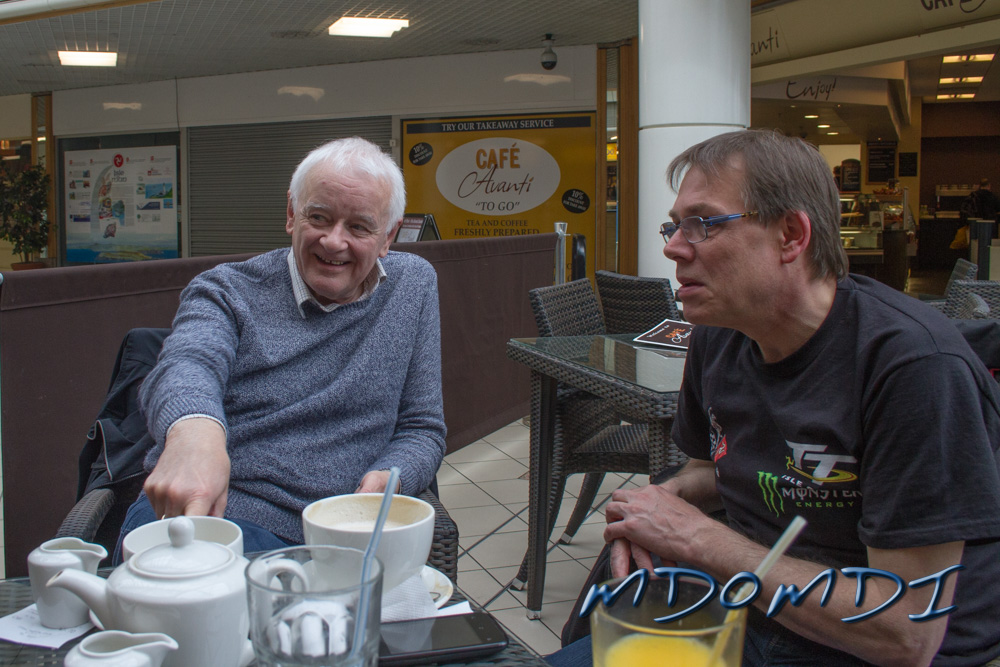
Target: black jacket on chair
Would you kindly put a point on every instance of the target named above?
(118, 440)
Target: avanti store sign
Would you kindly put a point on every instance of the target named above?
(509, 175)
(498, 175)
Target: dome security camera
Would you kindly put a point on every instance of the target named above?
(549, 58)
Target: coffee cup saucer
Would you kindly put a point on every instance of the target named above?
(438, 585)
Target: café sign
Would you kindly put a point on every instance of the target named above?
(499, 174)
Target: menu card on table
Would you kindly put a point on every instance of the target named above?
(668, 333)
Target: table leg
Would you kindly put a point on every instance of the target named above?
(543, 425)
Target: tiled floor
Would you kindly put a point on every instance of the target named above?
(485, 488)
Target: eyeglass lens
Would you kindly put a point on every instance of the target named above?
(693, 229)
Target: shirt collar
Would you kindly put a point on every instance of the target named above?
(304, 295)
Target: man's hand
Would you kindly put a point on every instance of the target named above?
(192, 475)
(652, 519)
(375, 481)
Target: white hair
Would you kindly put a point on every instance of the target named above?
(358, 156)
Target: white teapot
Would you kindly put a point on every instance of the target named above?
(191, 590)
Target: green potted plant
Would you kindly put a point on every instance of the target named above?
(24, 197)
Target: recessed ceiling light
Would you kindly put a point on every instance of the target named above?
(832, 133)
(354, 26)
(88, 58)
(812, 115)
(956, 96)
(822, 127)
(961, 79)
(974, 58)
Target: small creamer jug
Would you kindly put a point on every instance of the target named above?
(59, 608)
(114, 648)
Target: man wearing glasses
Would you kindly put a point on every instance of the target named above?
(837, 399)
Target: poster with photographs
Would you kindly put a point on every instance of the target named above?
(120, 204)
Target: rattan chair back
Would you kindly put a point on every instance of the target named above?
(987, 290)
(635, 304)
(568, 309)
(972, 307)
(964, 270)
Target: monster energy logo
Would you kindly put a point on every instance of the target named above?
(769, 487)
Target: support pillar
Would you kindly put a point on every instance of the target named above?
(694, 83)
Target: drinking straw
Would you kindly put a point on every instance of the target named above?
(383, 512)
(776, 552)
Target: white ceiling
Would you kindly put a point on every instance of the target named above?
(188, 38)
(169, 39)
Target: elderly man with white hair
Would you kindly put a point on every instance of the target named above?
(304, 372)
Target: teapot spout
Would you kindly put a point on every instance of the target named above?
(90, 588)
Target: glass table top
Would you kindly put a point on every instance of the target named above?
(655, 368)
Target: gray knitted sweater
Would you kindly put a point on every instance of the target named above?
(310, 404)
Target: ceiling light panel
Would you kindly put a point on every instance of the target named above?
(960, 79)
(973, 58)
(88, 58)
(354, 26)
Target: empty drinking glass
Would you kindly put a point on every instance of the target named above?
(305, 604)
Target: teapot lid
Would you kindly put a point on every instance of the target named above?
(184, 556)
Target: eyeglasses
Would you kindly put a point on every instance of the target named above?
(695, 228)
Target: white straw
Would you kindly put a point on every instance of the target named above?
(383, 512)
(776, 552)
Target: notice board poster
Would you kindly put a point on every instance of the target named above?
(120, 204)
(881, 161)
(850, 175)
(907, 164)
(503, 175)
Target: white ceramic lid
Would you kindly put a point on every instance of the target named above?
(184, 556)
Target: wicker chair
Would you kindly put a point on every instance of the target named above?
(589, 436)
(103, 500)
(964, 270)
(972, 307)
(630, 304)
(634, 305)
(958, 301)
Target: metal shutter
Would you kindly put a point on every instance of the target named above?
(239, 176)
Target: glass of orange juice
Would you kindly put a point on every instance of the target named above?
(628, 636)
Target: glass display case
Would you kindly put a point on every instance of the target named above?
(864, 216)
(860, 222)
(861, 237)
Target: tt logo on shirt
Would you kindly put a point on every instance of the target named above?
(812, 462)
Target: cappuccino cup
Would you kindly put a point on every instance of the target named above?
(349, 520)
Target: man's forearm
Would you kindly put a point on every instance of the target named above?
(192, 474)
(888, 637)
(695, 483)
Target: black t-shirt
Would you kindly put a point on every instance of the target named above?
(882, 431)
